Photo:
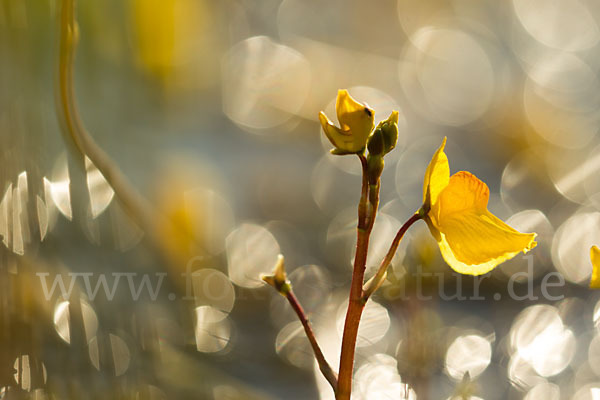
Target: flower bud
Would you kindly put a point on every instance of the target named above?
(278, 279)
(356, 123)
(384, 137)
(390, 136)
(374, 168)
(389, 131)
(376, 143)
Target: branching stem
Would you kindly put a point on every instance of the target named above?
(373, 284)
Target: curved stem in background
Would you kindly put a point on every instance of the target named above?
(134, 204)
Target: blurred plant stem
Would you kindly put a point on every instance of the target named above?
(135, 205)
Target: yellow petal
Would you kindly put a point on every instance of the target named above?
(354, 117)
(436, 176)
(472, 240)
(474, 244)
(595, 256)
(463, 191)
(338, 138)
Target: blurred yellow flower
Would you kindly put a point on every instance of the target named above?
(595, 256)
(472, 240)
(155, 35)
(356, 123)
(167, 37)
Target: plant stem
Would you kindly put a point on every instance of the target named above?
(373, 284)
(363, 204)
(135, 205)
(324, 366)
(355, 303)
(353, 315)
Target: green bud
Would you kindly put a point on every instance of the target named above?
(374, 167)
(376, 143)
(278, 279)
(390, 135)
(385, 136)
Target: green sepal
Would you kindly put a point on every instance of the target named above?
(341, 152)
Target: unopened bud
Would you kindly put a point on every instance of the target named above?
(374, 167)
(376, 142)
(385, 136)
(389, 130)
(278, 279)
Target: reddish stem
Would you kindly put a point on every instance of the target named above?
(380, 275)
(355, 302)
(324, 366)
(353, 315)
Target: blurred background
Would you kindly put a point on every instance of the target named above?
(209, 108)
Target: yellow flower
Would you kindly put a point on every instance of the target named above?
(356, 123)
(163, 36)
(472, 240)
(595, 256)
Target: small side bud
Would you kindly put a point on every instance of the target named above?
(390, 136)
(278, 279)
(375, 166)
(466, 389)
(389, 133)
(376, 143)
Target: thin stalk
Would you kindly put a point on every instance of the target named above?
(373, 284)
(324, 366)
